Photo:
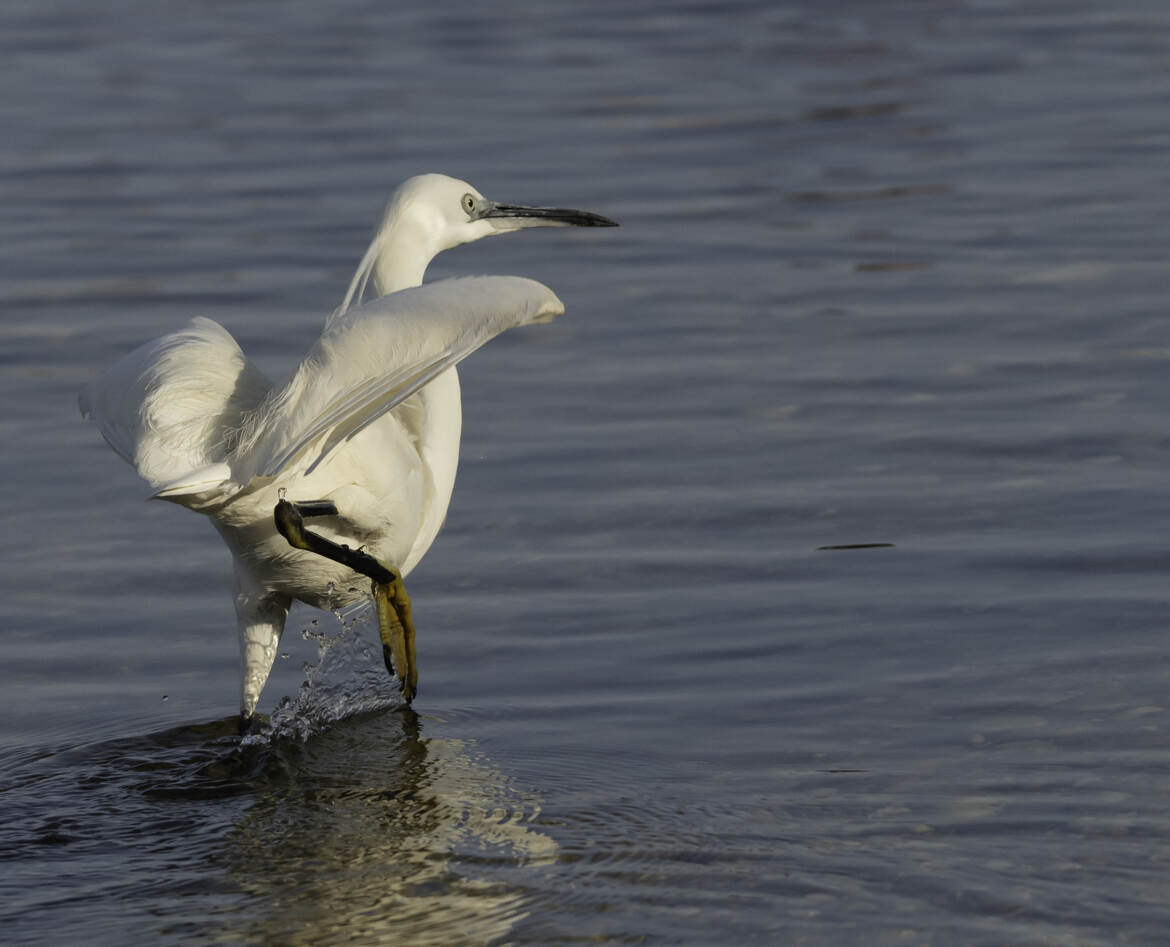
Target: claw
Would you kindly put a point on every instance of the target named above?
(396, 628)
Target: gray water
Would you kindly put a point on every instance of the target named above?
(887, 273)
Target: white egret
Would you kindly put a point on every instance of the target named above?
(364, 437)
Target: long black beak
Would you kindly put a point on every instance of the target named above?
(552, 215)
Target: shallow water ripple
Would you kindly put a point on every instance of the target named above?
(889, 276)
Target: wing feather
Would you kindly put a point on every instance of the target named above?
(173, 406)
(372, 358)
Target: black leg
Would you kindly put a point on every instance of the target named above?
(316, 508)
(291, 526)
(395, 626)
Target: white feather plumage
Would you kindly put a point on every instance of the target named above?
(370, 420)
(190, 404)
(204, 428)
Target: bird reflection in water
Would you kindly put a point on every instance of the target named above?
(382, 834)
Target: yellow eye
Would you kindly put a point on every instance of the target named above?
(468, 203)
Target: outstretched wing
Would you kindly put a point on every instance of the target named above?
(174, 406)
(372, 358)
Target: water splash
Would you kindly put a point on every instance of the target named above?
(348, 678)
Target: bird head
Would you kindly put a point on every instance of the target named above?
(452, 212)
(431, 213)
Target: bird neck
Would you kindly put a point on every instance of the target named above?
(405, 250)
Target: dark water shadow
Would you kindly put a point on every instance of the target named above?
(367, 831)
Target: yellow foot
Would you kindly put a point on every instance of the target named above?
(394, 623)
(396, 629)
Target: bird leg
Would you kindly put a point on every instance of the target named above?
(395, 626)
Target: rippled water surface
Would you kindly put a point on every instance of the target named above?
(887, 274)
